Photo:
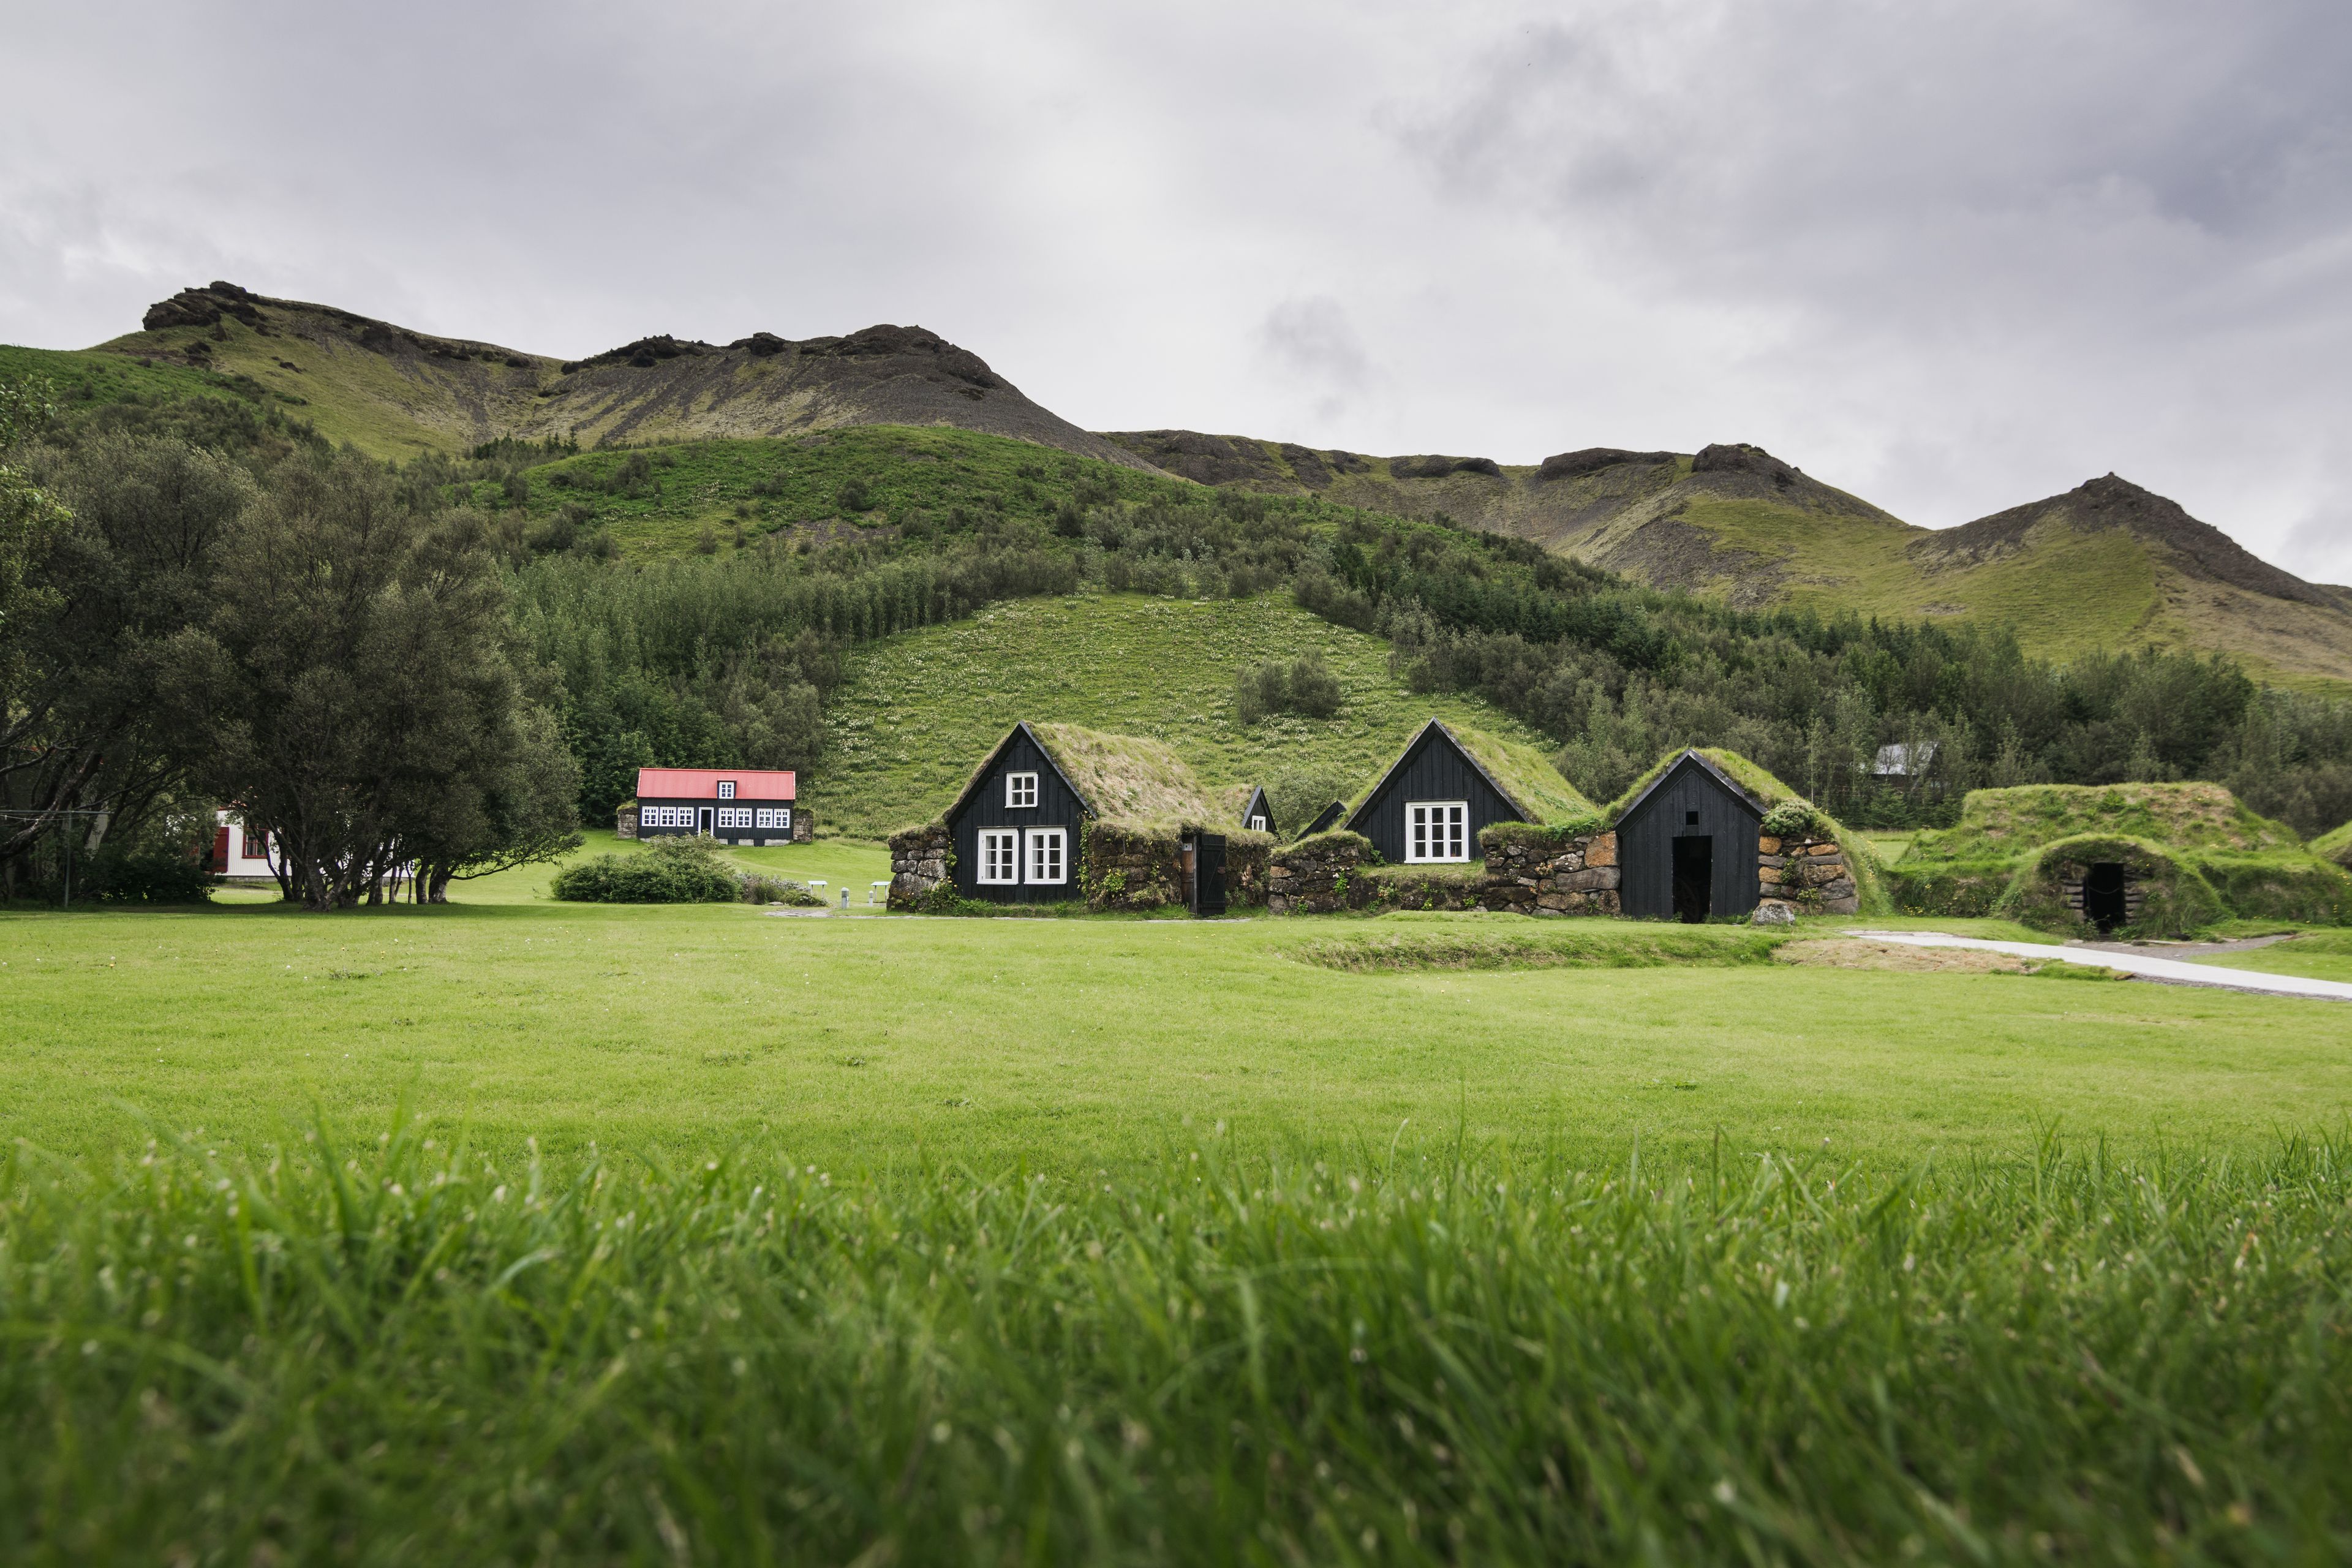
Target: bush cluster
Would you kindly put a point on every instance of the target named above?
(1303, 686)
(683, 870)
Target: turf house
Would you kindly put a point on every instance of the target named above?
(1450, 785)
(1056, 813)
(734, 805)
(1708, 835)
(2149, 859)
(1257, 815)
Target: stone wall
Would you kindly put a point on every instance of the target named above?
(804, 825)
(1803, 876)
(625, 821)
(919, 864)
(1120, 868)
(1530, 876)
(1320, 876)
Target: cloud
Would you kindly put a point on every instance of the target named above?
(1312, 339)
(1949, 256)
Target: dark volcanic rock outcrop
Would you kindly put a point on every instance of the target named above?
(1593, 459)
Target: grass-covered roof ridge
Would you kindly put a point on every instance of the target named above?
(1756, 780)
(1518, 770)
(1130, 779)
(2335, 845)
(2003, 823)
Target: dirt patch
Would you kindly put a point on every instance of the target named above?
(1851, 952)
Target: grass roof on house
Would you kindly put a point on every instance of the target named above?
(1519, 770)
(1762, 787)
(2004, 823)
(2335, 845)
(1130, 779)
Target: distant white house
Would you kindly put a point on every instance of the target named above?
(1908, 759)
(240, 852)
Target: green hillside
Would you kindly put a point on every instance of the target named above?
(824, 487)
(919, 710)
(2105, 566)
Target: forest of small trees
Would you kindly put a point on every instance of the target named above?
(202, 606)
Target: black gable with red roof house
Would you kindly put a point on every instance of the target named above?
(734, 805)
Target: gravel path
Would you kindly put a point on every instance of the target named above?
(2140, 965)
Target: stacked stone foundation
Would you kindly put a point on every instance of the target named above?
(1530, 872)
(1803, 876)
(919, 862)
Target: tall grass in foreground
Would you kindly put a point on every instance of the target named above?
(397, 1354)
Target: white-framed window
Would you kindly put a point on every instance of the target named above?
(1048, 856)
(727, 789)
(764, 817)
(1021, 789)
(1000, 855)
(734, 816)
(1257, 825)
(1436, 830)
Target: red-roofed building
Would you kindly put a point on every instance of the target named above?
(734, 805)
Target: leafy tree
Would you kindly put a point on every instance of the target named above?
(359, 688)
(86, 725)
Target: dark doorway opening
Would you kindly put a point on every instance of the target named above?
(2102, 896)
(1209, 875)
(1694, 879)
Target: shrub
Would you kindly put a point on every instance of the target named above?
(670, 870)
(1798, 817)
(1305, 686)
(761, 889)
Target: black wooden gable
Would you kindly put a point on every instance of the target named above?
(1326, 819)
(1434, 767)
(1020, 751)
(983, 805)
(1697, 804)
(1672, 783)
(1259, 806)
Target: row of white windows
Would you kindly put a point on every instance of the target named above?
(1009, 855)
(777, 817)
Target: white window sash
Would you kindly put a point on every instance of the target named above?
(1000, 857)
(727, 789)
(1436, 832)
(1048, 856)
(1020, 791)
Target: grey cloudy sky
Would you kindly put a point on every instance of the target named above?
(1949, 256)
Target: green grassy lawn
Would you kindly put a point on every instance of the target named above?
(920, 709)
(2314, 955)
(732, 1236)
(873, 1042)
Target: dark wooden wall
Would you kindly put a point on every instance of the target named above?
(1646, 835)
(1057, 806)
(1434, 769)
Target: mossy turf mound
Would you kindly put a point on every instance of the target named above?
(1787, 815)
(2184, 816)
(2174, 900)
(2197, 852)
(2335, 846)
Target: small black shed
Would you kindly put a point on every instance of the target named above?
(1258, 815)
(1686, 844)
(1449, 784)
